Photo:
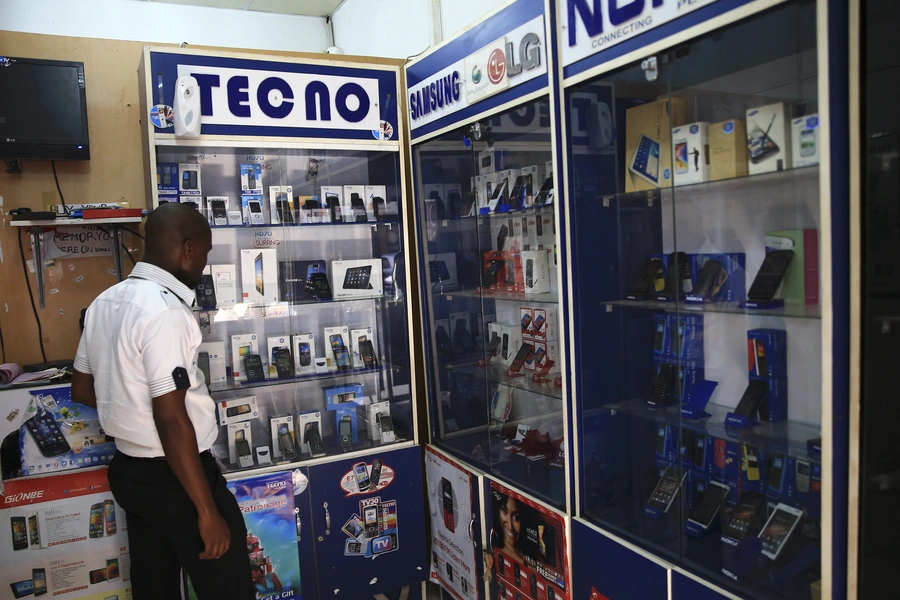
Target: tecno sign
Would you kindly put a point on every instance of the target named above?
(281, 99)
(591, 26)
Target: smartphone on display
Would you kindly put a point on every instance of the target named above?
(651, 270)
(256, 212)
(109, 511)
(39, 577)
(710, 279)
(362, 476)
(46, 434)
(95, 525)
(545, 195)
(770, 275)
(359, 208)
(19, 533)
(538, 323)
(286, 443)
(220, 213)
(525, 351)
(526, 322)
(375, 476)
(251, 179)
(367, 353)
(743, 516)
(242, 446)
(20, 589)
(666, 489)
(776, 473)
(750, 462)
(387, 429)
(493, 346)
(283, 208)
(681, 157)
(516, 197)
(342, 358)
(529, 273)
(206, 292)
(305, 354)
(333, 203)
(778, 529)
(707, 508)
(501, 237)
(253, 368)
(284, 362)
(490, 276)
(662, 384)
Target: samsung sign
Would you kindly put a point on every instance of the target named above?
(281, 99)
(517, 57)
(591, 26)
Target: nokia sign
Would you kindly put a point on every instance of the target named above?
(594, 25)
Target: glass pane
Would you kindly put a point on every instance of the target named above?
(491, 296)
(699, 209)
(304, 318)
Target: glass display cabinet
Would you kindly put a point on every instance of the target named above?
(695, 218)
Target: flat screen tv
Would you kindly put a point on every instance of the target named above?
(43, 113)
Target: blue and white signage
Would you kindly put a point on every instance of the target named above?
(508, 61)
(591, 26)
(269, 98)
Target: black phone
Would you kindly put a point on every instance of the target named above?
(490, 276)
(753, 396)
(286, 443)
(744, 516)
(367, 354)
(678, 275)
(333, 204)
(251, 179)
(253, 367)
(203, 363)
(649, 273)
(284, 362)
(342, 358)
(667, 488)
(206, 292)
(314, 440)
(710, 502)
(345, 433)
(378, 208)
(662, 385)
(529, 273)
(661, 435)
(710, 279)
(770, 275)
(776, 473)
(545, 196)
(759, 359)
(39, 577)
(220, 213)
(375, 476)
(359, 208)
(305, 354)
(311, 204)
(317, 283)
(285, 214)
(504, 352)
(659, 339)
(493, 346)
(525, 350)
(501, 237)
(47, 434)
(516, 199)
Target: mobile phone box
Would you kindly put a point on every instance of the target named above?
(349, 190)
(692, 163)
(669, 456)
(278, 341)
(237, 363)
(540, 271)
(526, 314)
(215, 350)
(342, 331)
(770, 121)
(274, 192)
(207, 210)
(304, 339)
(225, 284)
(232, 446)
(274, 424)
(356, 359)
(370, 414)
(774, 407)
(249, 290)
(530, 362)
(546, 324)
(304, 419)
(182, 191)
(167, 172)
(805, 138)
(372, 192)
(251, 174)
(245, 415)
(514, 341)
(245, 207)
(664, 322)
(690, 348)
(801, 280)
(774, 345)
(513, 273)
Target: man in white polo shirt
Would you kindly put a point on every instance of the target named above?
(137, 363)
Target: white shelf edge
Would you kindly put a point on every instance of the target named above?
(76, 222)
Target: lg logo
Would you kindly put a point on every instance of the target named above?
(496, 66)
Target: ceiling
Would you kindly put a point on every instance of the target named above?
(312, 8)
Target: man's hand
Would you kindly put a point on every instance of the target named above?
(215, 534)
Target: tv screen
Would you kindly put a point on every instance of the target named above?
(43, 113)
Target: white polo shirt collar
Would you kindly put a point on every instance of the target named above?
(143, 270)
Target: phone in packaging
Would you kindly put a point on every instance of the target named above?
(95, 521)
(710, 279)
(206, 292)
(256, 213)
(490, 276)
(659, 339)
(20, 589)
(525, 352)
(501, 238)
(283, 209)
(545, 195)
(333, 204)
(367, 353)
(284, 362)
(318, 285)
(242, 447)
(387, 429)
(109, 511)
(650, 273)
(219, 212)
(39, 577)
(753, 396)
(770, 275)
(644, 161)
(666, 489)
(750, 462)
(497, 197)
(801, 482)
(305, 357)
(778, 529)
(112, 569)
(707, 508)
(762, 365)
(743, 516)
(253, 368)
(375, 476)
(516, 196)
(314, 440)
(286, 443)
(46, 434)
(19, 533)
(359, 208)
(678, 275)
(360, 470)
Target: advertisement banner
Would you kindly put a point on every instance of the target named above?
(452, 550)
(68, 539)
(529, 548)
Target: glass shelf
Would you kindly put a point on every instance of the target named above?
(497, 374)
(548, 298)
(231, 384)
(391, 222)
(792, 311)
(536, 210)
(240, 309)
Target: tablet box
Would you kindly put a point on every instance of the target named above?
(442, 269)
(727, 150)
(330, 191)
(242, 345)
(805, 137)
(775, 407)
(259, 275)
(537, 271)
(458, 320)
(342, 331)
(801, 280)
(356, 336)
(251, 180)
(187, 187)
(510, 341)
(304, 419)
(232, 431)
(237, 410)
(248, 203)
(167, 179)
(274, 342)
(653, 121)
(372, 192)
(286, 194)
(304, 350)
(546, 324)
(690, 151)
(360, 278)
(292, 278)
(768, 139)
(225, 283)
(767, 353)
(216, 353)
(275, 424)
(371, 414)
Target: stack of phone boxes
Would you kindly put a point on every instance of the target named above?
(767, 361)
(678, 342)
(252, 195)
(539, 327)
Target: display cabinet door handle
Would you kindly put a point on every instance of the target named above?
(472, 533)
(327, 519)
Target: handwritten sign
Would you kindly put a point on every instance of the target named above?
(78, 242)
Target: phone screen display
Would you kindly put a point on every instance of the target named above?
(681, 157)
(39, 576)
(255, 207)
(709, 505)
(19, 533)
(112, 568)
(110, 513)
(362, 476)
(96, 521)
(776, 531)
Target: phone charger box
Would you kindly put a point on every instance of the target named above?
(167, 179)
(649, 162)
(442, 269)
(459, 321)
(225, 283)
(801, 280)
(510, 341)
(189, 180)
(304, 420)
(768, 139)
(491, 160)
(273, 343)
(303, 348)
(361, 278)
(690, 150)
(216, 353)
(335, 192)
(251, 180)
(775, 406)
(237, 410)
(344, 333)
(805, 137)
(372, 192)
(357, 336)
(259, 276)
(728, 150)
(276, 426)
(281, 193)
(537, 271)
(242, 345)
(372, 413)
(767, 353)
(546, 324)
(233, 429)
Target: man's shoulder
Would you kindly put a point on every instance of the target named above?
(149, 297)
